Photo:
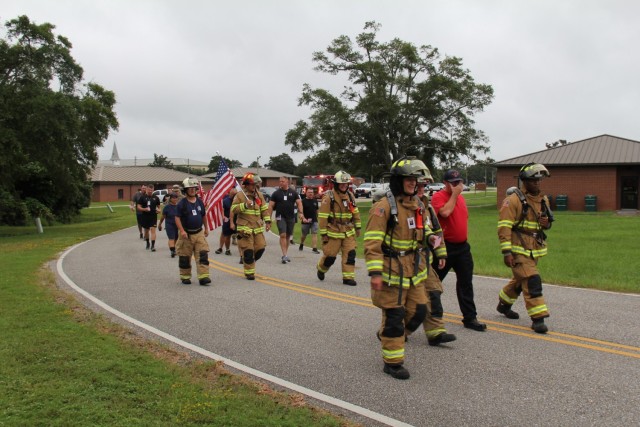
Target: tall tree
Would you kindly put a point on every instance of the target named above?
(215, 161)
(401, 100)
(51, 123)
(317, 164)
(281, 163)
(160, 161)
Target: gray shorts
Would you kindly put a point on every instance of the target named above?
(310, 228)
(285, 225)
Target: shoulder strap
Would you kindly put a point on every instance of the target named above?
(525, 206)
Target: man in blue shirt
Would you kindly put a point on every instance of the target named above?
(192, 235)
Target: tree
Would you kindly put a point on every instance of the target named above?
(160, 161)
(282, 163)
(215, 161)
(317, 164)
(402, 100)
(51, 124)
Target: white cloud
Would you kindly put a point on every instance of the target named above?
(194, 77)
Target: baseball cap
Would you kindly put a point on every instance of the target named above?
(452, 175)
(176, 187)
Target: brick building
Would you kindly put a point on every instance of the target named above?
(120, 183)
(605, 166)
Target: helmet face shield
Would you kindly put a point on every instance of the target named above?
(533, 171)
(410, 166)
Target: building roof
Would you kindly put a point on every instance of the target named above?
(176, 161)
(263, 172)
(600, 150)
(139, 174)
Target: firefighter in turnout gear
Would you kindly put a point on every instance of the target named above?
(192, 235)
(524, 216)
(396, 250)
(251, 222)
(339, 225)
(434, 324)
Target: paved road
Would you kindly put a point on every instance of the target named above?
(320, 335)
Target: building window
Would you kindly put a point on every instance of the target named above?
(120, 194)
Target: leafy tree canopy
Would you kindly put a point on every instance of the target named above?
(318, 164)
(401, 99)
(215, 161)
(160, 161)
(282, 163)
(51, 124)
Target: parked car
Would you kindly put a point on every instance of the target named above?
(466, 188)
(161, 194)
(435, 186)
(267, 192)
(367, 189)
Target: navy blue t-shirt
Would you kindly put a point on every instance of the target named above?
(191, 214)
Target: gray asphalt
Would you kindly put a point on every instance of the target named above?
(321, 335)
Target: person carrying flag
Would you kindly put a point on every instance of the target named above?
(251, 222)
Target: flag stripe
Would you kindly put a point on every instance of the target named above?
(225, 181)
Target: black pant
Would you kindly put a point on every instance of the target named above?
(460, 260)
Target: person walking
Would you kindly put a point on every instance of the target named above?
(193, 233)
(227, 231)
(433, 324)
(310, 220)
(134, 207)
(395, 248)
(339, 225)
(453, 216)
(285, 201)
(251, 222)
(169, 213)
(524, 217)
(149, 207)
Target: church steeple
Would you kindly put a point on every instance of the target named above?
(115, 159)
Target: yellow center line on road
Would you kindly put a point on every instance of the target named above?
(523, 331)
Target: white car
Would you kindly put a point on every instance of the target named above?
(367, 189)
(435, 186)
(161, 194)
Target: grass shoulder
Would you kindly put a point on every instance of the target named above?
(63, 363)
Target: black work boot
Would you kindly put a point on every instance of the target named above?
(539, 326)
(441, 339)
(205, 281)
(320, 275)
(186, 281)
(396, 371)
(474, 324)
(506, 310)
(349, 282)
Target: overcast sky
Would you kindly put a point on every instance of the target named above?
(195, 77)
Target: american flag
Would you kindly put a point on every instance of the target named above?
(225, 181)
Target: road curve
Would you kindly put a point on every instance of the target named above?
(318, 338)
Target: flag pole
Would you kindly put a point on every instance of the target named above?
(241, 189)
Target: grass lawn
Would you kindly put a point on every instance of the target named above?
(592, 250)
(62, 365)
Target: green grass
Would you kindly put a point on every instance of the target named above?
(61, 364)
(592, 250)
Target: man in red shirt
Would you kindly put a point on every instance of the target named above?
(453, 215)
